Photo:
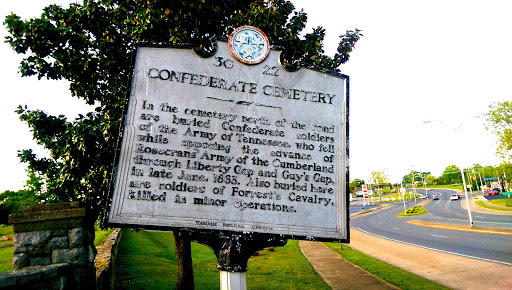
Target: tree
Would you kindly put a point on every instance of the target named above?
(356, 183)
(430, 179)
(451, 174)
(378, 177)
(499, 121)
(410, 178)
(89, 44)
(11, 201)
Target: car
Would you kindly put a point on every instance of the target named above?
(454, 197)
(435, 196)
(494, 191)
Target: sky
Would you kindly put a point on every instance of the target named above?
(419, 61)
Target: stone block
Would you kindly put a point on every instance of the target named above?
(79, 237)
(50, 220)
(18, 249)
(58, 243)
(30, 275)
(75, 256)
(60, 233)
(7, 280)
(37, 238)
(20, 261)
(91, 253)
(48, 207)
(68, 223)
(40, 261)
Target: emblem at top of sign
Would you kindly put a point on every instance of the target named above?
(249, 45)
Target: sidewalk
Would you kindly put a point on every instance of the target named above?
(338, 272)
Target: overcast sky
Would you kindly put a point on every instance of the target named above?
(442, 61)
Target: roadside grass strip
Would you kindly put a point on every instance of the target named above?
(146, 260)
(507, 203)
(498, 206)
(464, 228)
(389, 273)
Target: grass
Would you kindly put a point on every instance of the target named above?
(416, 210)
(6, 255)
(146, 260)
(396, 196)
(389, 273)
(481, 204)
(100, 236)
(502, 202)
(6, 231)
(285, 268)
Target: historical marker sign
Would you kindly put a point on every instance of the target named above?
(225, 144)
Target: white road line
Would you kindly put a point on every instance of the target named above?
(448, 252)
(439, 236)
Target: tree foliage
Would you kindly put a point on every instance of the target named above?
(355, 184)
(416, 176)
(499, 121)
(378, 177)
(11, 201)
(89, 44)
(451, 174)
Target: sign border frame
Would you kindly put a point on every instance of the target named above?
(108, 201)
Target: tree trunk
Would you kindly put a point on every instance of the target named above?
(184, 258)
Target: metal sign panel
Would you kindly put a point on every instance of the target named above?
(214, 143)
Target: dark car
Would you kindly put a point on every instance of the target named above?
(494, 191)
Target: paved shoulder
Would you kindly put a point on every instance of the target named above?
(338, 272)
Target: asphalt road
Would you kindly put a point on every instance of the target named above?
(490, 247)
(452, 212)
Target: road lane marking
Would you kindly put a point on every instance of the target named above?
(437, 236)
(433, 249)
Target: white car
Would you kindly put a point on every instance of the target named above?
(454, 197)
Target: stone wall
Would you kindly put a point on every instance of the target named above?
(105, 261)
(53, 248)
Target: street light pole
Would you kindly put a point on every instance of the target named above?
(481, 182)
(467, 198)
(462, 170)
